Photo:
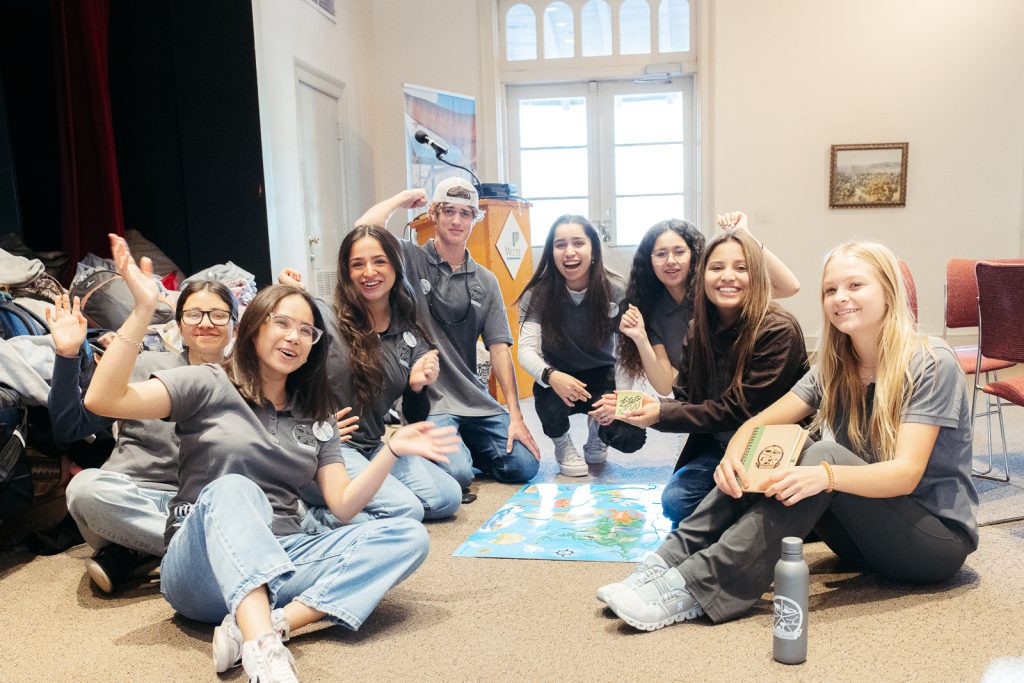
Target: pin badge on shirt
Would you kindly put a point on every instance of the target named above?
(323, 431)
(410, 339)
(425, 285)
(613, 309)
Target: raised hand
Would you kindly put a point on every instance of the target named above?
(139, 278)
(68, 326)
(632, 324)
(734, 220)
(425, 370)
(426, 440)
(413, 198)
(290, 277)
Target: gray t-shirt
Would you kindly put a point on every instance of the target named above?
(582, 350)
(939, 398)
(458, 308)
(147, 450)
(221, 433)
(400, 349)
(667, 325)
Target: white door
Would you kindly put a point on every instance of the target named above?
(321, 164)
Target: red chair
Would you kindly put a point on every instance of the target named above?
(961, 293)
(1000, 336)
(908, 284)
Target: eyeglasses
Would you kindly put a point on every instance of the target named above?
(285, 324)
(466, 214)
(661, 256)
(217, 316)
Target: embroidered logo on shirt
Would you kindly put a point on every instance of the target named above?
(303, 434)
(476, 294)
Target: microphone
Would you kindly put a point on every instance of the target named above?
(424, 139)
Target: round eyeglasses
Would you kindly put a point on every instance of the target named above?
(217, 316)
(285, 324)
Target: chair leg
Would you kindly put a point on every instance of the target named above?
(984, 474)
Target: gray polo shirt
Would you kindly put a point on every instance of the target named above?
(459, 308)
(400, 349)
(221, 433)
(147, 450)
(582, 349)
(667, 325)
(939, 398)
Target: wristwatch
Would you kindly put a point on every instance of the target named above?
(546, 375)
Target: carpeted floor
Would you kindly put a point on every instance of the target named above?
(490, 619)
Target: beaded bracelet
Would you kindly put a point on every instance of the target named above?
(129, 341)
(831, 477)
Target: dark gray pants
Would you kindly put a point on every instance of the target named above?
(727, 549)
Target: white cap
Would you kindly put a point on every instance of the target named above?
(453, 190)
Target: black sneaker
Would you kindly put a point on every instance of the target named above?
(467, 496)
(112, 564)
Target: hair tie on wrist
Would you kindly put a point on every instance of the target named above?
(831, 477)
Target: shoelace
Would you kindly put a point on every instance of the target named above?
(667, 591)
(648, 572)
(280, 664)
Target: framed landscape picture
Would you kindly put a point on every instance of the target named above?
(866, 176)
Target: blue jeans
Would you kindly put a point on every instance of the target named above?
(416, 488)
(484, 440)
(225, 549)
(688, 486)
(111, 508)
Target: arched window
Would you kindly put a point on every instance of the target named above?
(635, 28)
(596, 26)
(559, 32)
(674, 26)
(520, 33)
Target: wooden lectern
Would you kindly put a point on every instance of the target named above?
(501, 244)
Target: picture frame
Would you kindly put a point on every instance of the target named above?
(868, 176)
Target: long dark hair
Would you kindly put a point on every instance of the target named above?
(757, 303)
(308, 384)
(645, 288)
(354, 317)
(549, 291)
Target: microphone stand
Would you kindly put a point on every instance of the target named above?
(476, 181)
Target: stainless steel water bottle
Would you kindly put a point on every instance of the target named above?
(789, 620)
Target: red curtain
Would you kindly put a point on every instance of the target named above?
(90, 188)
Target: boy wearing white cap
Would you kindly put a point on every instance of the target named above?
(461, 302)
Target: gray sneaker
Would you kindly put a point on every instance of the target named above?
(650, 568)
(595, 451)
(227, 639)
(569, 461)
(267, 660)
(661, 601)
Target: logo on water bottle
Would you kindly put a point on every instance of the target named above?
(787, 618)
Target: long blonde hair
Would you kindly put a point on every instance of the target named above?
(839, 365)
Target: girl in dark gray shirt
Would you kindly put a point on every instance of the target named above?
(253, 432)
(891, 492)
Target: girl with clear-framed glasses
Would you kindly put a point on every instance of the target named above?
(253, 432)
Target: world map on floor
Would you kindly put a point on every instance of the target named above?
(595, 522)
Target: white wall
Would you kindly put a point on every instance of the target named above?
(290, 30)
(792, 77)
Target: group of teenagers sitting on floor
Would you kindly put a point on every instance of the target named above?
(269, 484)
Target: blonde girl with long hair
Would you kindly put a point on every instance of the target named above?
(888, 488)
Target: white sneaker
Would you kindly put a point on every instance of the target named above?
(595, 451)
(649, 569)
(661, 601)
(569, 461)
(227, 640)
(267, 660)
